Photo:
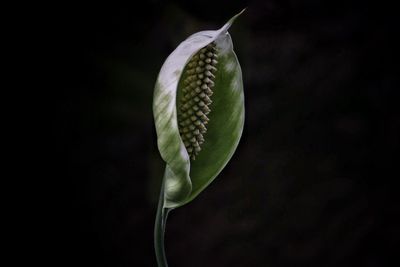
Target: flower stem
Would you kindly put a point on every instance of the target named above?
(159, 230)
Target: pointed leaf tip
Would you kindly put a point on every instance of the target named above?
(230, 22)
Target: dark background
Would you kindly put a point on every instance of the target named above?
(312, 181)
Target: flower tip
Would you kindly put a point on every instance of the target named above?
(230, 22)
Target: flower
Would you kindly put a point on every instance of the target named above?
(199, 113)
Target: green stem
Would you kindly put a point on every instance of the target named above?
(159, 230)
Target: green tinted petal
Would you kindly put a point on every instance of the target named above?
(184, 178)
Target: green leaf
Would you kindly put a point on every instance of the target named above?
(189, 171)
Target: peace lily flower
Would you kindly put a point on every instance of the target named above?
(199, 115)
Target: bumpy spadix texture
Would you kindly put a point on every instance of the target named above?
(193, 106)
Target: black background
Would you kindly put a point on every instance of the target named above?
(312, 181)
